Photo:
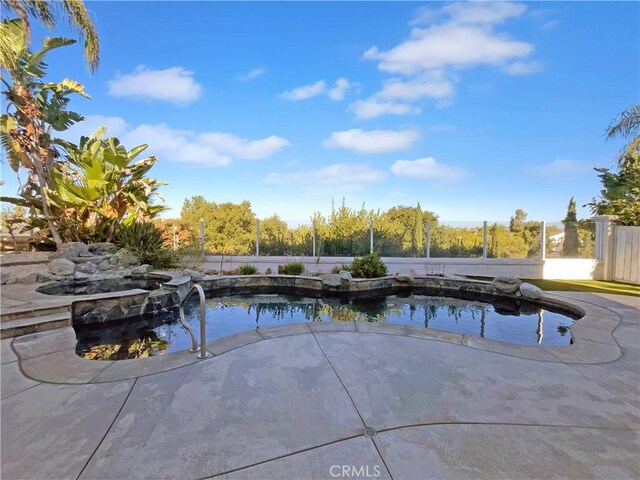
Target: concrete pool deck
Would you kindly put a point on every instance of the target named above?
(294, 401)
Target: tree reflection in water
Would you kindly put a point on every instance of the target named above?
(147, 345)
(516, 322)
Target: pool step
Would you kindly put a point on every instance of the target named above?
(32, 312)
(32, 324)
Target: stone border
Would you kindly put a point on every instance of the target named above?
(50, 356)
(97, 309)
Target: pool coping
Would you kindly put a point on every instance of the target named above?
(50, 357)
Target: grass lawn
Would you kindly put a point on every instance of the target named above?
(594, 286)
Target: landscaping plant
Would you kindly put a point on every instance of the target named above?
(368, 266)
(291, 268)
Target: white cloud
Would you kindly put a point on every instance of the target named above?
(470, 13)
(483, 12)
(243, 148)
(116, 127)
(559, 168)
(338, 177)
(428, 169)
(522, 68)
(449, 45)
(304, 92)
(251, 74)
(433, 85)
(551, 24)
(174, 85)
(175, 145)
(216, 149)
(338, 92)
(372, 108)
(374, 141)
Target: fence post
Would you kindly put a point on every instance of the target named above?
(371, 237)
(485, 232)
(202, 235)
(605, 246)
(313, 229)
(428, 240)
(543, 240)
(257, 237)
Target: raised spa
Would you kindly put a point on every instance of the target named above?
(87, 287)
(509, 321)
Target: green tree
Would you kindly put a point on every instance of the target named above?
(516, 224)
(620, 194)
(274, 234)
(48, 12)
(34, 110)
(229, 228)
(570, 244)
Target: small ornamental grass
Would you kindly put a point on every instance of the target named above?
(292, 268)
(247, 270)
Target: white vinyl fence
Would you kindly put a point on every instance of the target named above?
(626, 266)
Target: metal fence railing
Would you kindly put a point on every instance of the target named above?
(428, 239)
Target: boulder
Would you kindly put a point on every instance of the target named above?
(407, 278)
(81, 276)
(345, 275)
(506, 284)
(195, 276)
(141, 270)
(331, 279)
(31, 278)
(530, 291)
(127, 260)
(62, 267)
(4, 276)
(11, 280)
(45, 277)
(89, 268)
(105, 265)
(72, 249)
(103, 248)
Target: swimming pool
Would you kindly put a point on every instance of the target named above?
(151, 335)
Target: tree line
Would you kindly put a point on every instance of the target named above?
(230, 229)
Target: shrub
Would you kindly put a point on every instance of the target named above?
(145, 241)
(247, 270)
(368, 266)
(292, 268)
(345, 266)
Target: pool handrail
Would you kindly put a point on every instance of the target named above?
(203, 330)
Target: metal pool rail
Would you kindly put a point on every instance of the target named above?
(203, 331)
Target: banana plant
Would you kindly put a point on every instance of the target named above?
(101, 186)
(34, 108)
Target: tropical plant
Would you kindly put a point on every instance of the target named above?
(291, 268)
(247, 270)
(627, 125)
(33, 110)
(368, 266)
(146, 242)
(101, 187)
(75, 13)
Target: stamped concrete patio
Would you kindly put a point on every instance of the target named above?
(293, 402)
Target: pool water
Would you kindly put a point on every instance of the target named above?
(153, 335)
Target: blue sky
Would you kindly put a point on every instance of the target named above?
(472, 109)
